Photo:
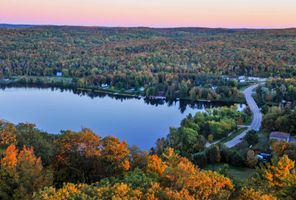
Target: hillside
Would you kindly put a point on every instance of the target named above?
(95, 51)
(185, 63)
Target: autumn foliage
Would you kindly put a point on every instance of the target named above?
(22, 174)
(86, 166)
(172, 177)
(84, 157)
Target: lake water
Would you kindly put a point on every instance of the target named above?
(131, 120)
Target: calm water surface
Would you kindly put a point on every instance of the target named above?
(131, 120)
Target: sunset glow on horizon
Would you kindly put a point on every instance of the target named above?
(152, 13)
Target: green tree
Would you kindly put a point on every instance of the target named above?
(213, 154)
(252, 137)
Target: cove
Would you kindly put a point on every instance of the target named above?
(136, 121)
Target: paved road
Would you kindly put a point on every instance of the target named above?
(257, 117)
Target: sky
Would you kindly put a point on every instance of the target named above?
(152, 13)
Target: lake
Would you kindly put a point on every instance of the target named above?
(133, 120)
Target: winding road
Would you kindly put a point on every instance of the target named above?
(257, 117)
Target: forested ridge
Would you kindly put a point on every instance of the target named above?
(82, 51)
(166, 62)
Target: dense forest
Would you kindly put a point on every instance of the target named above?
(142, 52)
(277, 97)
(280, 119)
(277, 91)
(82, 165)
(165, 62)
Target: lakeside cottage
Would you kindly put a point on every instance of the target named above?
(59, 74)
(141, 89)
(241, 79)
(104, 86)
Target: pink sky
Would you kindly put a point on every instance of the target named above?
(152, 13)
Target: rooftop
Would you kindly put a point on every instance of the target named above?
(280, 135)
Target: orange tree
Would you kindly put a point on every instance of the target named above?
(22, 174)
(84, 157)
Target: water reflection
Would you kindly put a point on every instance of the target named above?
(139, 121)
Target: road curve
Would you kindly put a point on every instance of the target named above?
(257, 117)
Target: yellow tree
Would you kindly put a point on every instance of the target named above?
(115, 155)
(279, 172)
(156, 165)
(181, 174)
(251, 194)
(278, 177)
(84, 191)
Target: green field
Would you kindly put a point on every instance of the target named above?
(235, 172)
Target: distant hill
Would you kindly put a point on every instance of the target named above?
(110, 54)
(15, 26)
(172, 29)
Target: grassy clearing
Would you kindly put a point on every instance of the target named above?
(236, 172)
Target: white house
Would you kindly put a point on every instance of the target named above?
(104, 85)
(241, 79)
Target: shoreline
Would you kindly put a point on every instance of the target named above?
(93, 91)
